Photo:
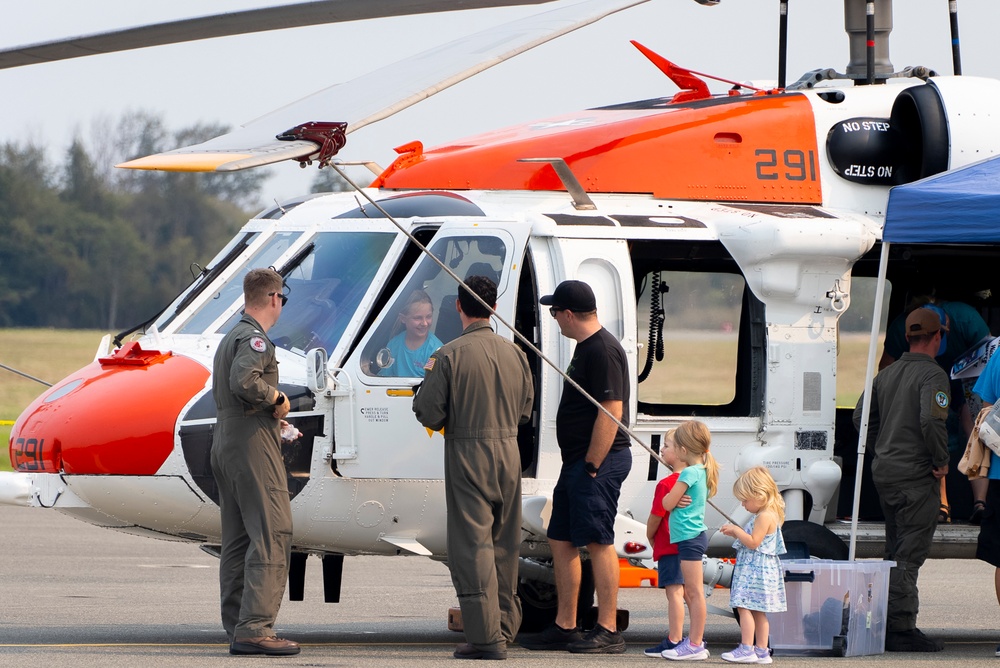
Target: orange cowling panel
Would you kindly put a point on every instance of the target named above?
(107, 419)
(759, 148)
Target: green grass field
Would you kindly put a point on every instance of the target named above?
(46, 354)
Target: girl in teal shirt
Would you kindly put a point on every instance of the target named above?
(699, 478)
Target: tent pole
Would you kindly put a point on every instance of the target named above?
(866, 400)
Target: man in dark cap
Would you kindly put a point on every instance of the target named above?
(909, 408)
(596, 460)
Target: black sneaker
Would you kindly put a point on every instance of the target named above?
(913, 640)
(554, 638)
(977, 513)
(599, 640)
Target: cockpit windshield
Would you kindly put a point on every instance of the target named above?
(226, 257)
(324, 289)
(232, 291)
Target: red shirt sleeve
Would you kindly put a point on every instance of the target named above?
(661, 541)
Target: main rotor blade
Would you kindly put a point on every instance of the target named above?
(379, 94)
(235, 23)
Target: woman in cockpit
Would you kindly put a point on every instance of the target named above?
(412, 347)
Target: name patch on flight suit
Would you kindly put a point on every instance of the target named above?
(258, 344)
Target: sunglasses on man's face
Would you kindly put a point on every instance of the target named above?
(284, 297)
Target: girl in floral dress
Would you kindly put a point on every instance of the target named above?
(758, 586)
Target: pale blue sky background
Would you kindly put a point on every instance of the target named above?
(236, 79)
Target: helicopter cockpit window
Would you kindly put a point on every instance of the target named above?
(325, 289)
(226, 256)
(422, 316)
(232, 291)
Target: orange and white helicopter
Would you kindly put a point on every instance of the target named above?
(761, 209)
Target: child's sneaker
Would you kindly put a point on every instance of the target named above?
(742, 654)
(685, 651)
(657, 651)
(763, 654)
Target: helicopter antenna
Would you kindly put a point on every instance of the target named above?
(956, 47)
(782, 42)
(21, 373)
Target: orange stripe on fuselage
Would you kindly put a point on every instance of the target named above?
(746, 148)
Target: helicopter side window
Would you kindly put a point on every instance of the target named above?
(700, 338)
(325, 289)
(232, 291)
(422, 317)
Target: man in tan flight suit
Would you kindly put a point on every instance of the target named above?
(479, 388)
(253, 487)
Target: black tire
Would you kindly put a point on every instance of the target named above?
(538, 605)
(820, 542)
(539, 602)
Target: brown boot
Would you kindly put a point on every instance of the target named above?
(267, 645)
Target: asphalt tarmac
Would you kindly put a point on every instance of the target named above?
(76, 595)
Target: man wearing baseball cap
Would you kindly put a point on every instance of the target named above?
(596, 460)
(909, 408)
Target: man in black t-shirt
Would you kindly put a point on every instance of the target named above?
(596, 460)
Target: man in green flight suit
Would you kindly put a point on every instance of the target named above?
(909, 408)
(479, 388)
(253, 487)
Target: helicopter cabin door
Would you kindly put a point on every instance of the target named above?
(376, 433)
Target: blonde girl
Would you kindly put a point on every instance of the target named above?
(758, 586)
(699, 478)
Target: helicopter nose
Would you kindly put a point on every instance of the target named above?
(115, 416)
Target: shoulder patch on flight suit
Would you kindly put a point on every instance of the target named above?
(258, 344)
(430, 364)
(941, 399)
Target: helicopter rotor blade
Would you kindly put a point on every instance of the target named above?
(379, 94)
(298, 15)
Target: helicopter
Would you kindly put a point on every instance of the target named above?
(756, 213)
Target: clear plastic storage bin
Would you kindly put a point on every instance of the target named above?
(835, 608)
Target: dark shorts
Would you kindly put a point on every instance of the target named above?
(693, 549)
(668, 571)
(988, 549)
(584, 508)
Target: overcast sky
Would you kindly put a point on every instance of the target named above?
(236, 79)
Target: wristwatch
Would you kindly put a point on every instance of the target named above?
(280, 400)
(590, 468)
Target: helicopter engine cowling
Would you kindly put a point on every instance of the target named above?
(933, 127)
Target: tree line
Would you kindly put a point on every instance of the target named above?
(84, 245)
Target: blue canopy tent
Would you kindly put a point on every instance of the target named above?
(957, 207)
(961, 206)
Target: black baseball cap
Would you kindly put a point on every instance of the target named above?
(572, 296)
